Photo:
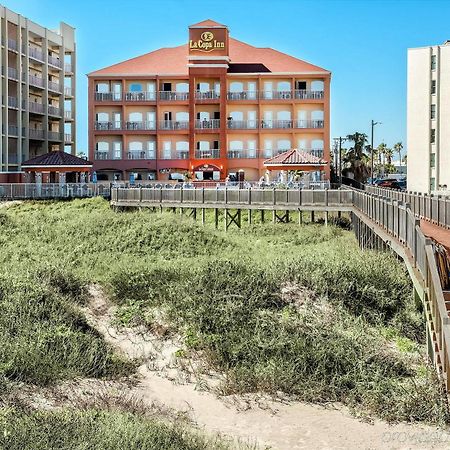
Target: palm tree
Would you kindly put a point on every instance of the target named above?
(388, 153)
(356, 156)
(381, 149)
(398, 147)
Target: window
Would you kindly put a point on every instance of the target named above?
(102, 88)
(317, 85)
(117, 146)
(136, 87)
(432, 184)
(236, 86)
(102, 146)
(433, 160)
(135, 117)
(433, 86)
(135, 146)
(433, 136)
(433, 62)
(433, 111)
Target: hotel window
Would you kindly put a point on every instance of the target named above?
(433, 86)
(167, 149)
(433, 112)
(433, 160)
(433, 136)
(268, 152)
(136, 87)
(182, 87)
(283, 145)
(102, 88)
(151, 149)
(117, 148)
(135, 150)
(182, 149)
(102, 149)
(317, 85)
(432, 184)
(433, 62)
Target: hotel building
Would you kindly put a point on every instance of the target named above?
(211, 108)
(37, 90)
(428, 122)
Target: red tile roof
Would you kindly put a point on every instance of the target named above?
(207, 23)
(174, 61)
(295, 157)
(56, 158)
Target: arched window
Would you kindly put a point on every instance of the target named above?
(283, 86)
(182, 87)
(317, 85)
(102, 117)
(283, 145)
(135, 117)
(135, 87)
(317, 144)
(236, 145)
(236, 86)
(102, 88)
(283, 115)
(135, 146)
(182, 146)
(182, 116)
(102, 146)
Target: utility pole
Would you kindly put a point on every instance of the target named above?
(373, 123)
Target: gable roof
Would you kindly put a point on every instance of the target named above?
(295, 157)
(56, 158)
(208, 23)
(174, 61)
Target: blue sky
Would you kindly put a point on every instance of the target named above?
(363, 43)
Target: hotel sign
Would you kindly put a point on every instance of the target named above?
(208, 41)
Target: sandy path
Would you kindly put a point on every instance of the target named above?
(271, 424)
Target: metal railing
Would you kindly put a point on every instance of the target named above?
(174, 154)
(54, 86)
(242, 154)
(207, 123)
(106, 96)
(140, 96)
(13, 130)
(207, 95)
(105, 126)
(276, 95)
(13, 73)
(54, 61)
(207, 154)
(12, 44)
(68, 114)
(174, 125)
(36, 134)
(306, 94)
(241, 124)
(300, 123)
(173, 96)
(276, 123)
(54, 110)
(107, 155)
(13, 102)
(54, 136)
(244, 95)
(36, 107)
(36, 81)
(434, 208)
(144, 125)
(68, 68)
(141, 154)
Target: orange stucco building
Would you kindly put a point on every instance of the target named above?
(211, 108)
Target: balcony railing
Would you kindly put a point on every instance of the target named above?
(13, 130)
(108, 155)
(36, 107)
(172, 96)
(174, 125)
(13, 73)
(244, 95)
(207, 124)
(36, 81)
(207, 154)
(68, 91)
(318, 152)
(141, 154)
(55, 61)
(35, 134)
(68, 114)
(55, 87)
(269, 153)
(67, 137)
(276, 124)
(140, 96)
(276, 95)
(207, 95)
(242, 154)
(12, 44)
(35, 54)
(105, 126)
(140, 125)
(54, 111)
(54, 135)
(106, 96)
(174, 154)
(68, 68)
(241, 124)
(13, 102)
(305, 94)
(309, 123)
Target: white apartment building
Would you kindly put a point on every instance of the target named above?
(37, 91)
(428, 119)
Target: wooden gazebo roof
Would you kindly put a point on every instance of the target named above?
(57, 160)
(295, 159)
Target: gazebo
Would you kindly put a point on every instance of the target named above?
(57, 167)
(294, 159)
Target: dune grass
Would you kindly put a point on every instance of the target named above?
(290, 309)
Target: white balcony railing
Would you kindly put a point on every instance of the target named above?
(105, 126)
(173, 125)
(242, 124)
(108, 155)
(140, 96)
(207, 154)
(13, 73)
(244, 95)
(35, 54)
(276, 124)
(309, 123)
(107, 96)
(306, 94)
(54, 86)
(141, 154)
(242, 154)
(140, 125)
(12, 44)
(207, 124)
(174, 154)
(54, 61)
(207, 95)
(173, 96)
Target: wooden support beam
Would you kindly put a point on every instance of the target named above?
(203, 216)
(326, 218)
(216, 218)
(231, 218)
(300, 217)
(249, 216)
(262, 216)
(312, 216)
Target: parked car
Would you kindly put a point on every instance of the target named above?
(392, 184)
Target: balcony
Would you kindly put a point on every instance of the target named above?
(276, 95)
(12, 45)
(140, 96)
(107, 155)
(36, 107)
(242, 124)
(67, 137)
(140, 125)
(106, 96)
(54, 136)
(173, 96)
(107, 126)
(207, 154)
(68, 91)
(207, 95)
(54, 61)
(36, 81)
(242, 154)
(55, 87)
(35, 54)
(13, 102)
(68, 115)
(175, 154)
(54, 111)
(207, 124)
(36, 134)
(305, 94)
(308, 123)
(174, 125)
(283, 124)
(244, 95)
(68, 68)
(318, 152)
(13, 73)
(13, 130)
(141, 154)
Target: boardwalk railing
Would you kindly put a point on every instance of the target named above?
(30, 191)
(434, 208)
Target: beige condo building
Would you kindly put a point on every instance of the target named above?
(428, 119)
(37, 91)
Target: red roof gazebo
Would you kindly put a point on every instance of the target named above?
(295, 159)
